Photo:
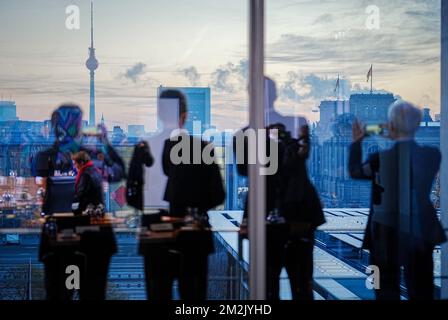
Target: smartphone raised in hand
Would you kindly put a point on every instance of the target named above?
(91, 131)
(374, 129)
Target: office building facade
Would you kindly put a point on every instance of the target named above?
(8, 111)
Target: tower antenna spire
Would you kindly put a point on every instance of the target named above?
(91, 24)
(92, 65)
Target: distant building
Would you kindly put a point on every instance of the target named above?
(328, 164)
(198, 100)
(371, 108)
(20, 141)
(118, 135)
(328, 111)
(136, 130)
(8, 111)
(429, 134)
(328, 167)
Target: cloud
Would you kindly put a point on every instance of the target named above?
(321, 88)
(324, 19)
(290, 90)
(356, 47)
(409, 37)
(420, 14)
(426, 100)
(358, 88)
(191, 73)
(230, 77)
(298, 87)
(133, 73)
(220, 80)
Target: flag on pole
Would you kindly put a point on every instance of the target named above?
(336, 89)
(369, 74)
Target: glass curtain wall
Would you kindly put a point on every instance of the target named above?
(338, 61)
(114, 59)
(326, 64)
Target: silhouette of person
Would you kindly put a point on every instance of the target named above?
(193, 187)
(95, 248)
(301, 207)
(66, 125)
(89, 183)
(66, 122)
(141, 157)
(402, 228)
(290, 193)
(292, 124)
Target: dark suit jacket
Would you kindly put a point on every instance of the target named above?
(300, 200)
(196, 185)
(134, 185)
(289, 189)
(89, 189)
(242, 165)
(404, 168)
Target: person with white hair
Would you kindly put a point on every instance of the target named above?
(404, 120)
(402, 228)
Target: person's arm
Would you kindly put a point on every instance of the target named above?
(217, 193)
(305, 149)
(357, 168)
(114, 157)
(166, 162)
(241, 151)
(148, 158)
(83, 189)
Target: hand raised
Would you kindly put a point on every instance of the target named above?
(358, 132)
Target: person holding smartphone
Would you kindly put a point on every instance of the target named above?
(55, 164)
(402, 228)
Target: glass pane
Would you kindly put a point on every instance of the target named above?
(337, 61)
(116, 73)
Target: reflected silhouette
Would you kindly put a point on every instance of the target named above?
(403, 228)
(168, 120)
(89, 251)
(293, 207)
(192, 189)
(291, 123)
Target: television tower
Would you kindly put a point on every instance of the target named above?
(92, 65)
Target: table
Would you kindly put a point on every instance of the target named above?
(83, 242)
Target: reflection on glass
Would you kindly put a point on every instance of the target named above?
(124, 99)
(168, 121)
(331, 63)
(342, 61)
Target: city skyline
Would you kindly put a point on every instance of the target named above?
(307, 48)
